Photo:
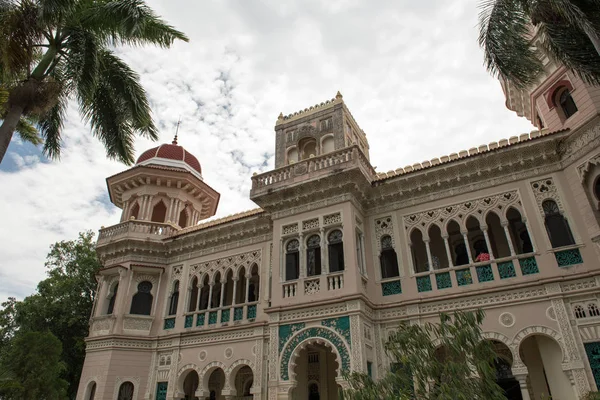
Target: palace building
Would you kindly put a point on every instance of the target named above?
(276, 302)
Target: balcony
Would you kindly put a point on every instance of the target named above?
(347, 158)
(313, 285)
(217, 317)
(135, 229)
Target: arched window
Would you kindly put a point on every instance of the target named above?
(518, 232)
(418, 251)
(336, 251)
(292, 155)
(579, 311)
(593, 310)
(292, 260)
(92, 391)
(193, 295)
(228, 295)
(174, 299)
(204, 293)
(125, 391)
(141, 304)
(215, 300)
(111, 300)
(557, 226)
(565, 101)
(313, 255)
(135, 211)
(183, 218)
(498, 239)
(457, 243)
(254, 286)
(388, 259)
(479, 250)
(159, 212)
(240, 296)
(437, 248)
(308, 147)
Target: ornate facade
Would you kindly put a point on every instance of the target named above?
(276, 302)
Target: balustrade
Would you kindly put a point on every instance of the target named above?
(479, 272)
(290, 289)
(220, 316)
(135, 228)
(335, 281)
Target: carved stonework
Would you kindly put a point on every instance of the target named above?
(384, 226)
(137, 323)
(221, 265)
(461, 211)
(545, 189)
(584, 168)
(357, 339)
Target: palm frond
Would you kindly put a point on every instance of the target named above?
(503, 36)
(128, 22)
(28, 132)
(570, 46)
(52, 12)
(118, 109)
(51, 122)
(81, 48)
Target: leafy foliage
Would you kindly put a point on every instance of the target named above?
(55, 50)
(516, 34)
(61, 306)
(449, 360)
(35, 368)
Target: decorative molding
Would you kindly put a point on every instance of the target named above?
(384, 226)
(116, 343)
(235, 263)
(546, 189)
(584, 168)
(307, 313)
(217, 337)
(137, 323)
(579, 285)
(506, 319)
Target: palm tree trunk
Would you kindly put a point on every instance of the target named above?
(8, 127)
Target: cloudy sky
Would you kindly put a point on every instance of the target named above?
(410, 72)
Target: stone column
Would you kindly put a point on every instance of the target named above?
(323, 244)
(523, 385)
(429, 258)
(508, 238)
(467, 245)
(210, 290)
(232, 312)
(301, 257)
(484, 229)
(448, 252)
(170, 212)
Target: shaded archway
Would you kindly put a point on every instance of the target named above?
(543, 357)
(519, 234)
(457, 244)
(316, 373)
(418, 251)
(437, 248)
(477, 242)
(159, 212)
(497, 235)
(504, 377)
(190, 385)
(215, 383)
(243, 380)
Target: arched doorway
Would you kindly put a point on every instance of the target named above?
(316, 372)
(190, 385)
(504, 377)
(543, 357)
(244, 379)
(216, 382)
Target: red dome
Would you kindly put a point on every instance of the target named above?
(170, 152)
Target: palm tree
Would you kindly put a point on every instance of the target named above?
(52, 51)
(567, 31)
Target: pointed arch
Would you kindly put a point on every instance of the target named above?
(159, 212)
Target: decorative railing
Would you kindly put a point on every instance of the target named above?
(481, 272)
(346, 156)
(135, 228)
(568, 256)
(335, 281)
(221, 316)
(290, 289)
(140, 323)
(312, 285)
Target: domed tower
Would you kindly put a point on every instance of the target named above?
(164, 186)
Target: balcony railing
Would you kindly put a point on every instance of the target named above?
(213, 317)
(476, 273)
(346, 157)
(135, 229)
(313, 284)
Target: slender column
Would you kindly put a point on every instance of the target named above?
(523, 385)
(125, 211)
(211, 284)
(324, 261)
(526, 222)
(235, 281)
(429, 258)
(448, 252)
(247, 287)
(508, 238)
(301, 256)
(487, 242)
(171, 211)
(222, 293)
(467, 245)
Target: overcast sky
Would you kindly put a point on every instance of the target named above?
(410, 71)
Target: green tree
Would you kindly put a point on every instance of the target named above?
(54, 50)
(62, 304)
(568, 32)
(35, 366)
(449, 360)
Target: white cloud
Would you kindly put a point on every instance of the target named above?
(411, 73)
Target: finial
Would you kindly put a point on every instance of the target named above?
(280, 116)
(338, 95)
(176, 131)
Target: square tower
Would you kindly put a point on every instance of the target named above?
(317, 130)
